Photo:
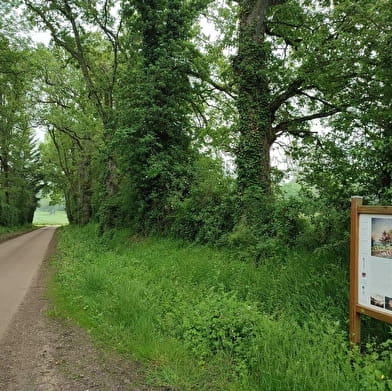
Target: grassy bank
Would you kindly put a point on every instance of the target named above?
(7, 230)
(10, 232)
(200, 320)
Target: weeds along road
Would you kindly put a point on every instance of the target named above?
(20, 259)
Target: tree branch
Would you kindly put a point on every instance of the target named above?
(62, 159)
(226, 89)
(77, 54)
(55, 102)
(291, 90)
(321, 100)
(51, 28)
(289, 126)
(80, 56)
(70, 133)
(292, 42)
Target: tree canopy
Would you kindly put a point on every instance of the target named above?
(158, 111)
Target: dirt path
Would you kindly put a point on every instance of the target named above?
(20, 259)
(38, 353)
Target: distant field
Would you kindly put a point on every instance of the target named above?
(47, 218)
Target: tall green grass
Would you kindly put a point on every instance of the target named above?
(201, 320)
(8, 230)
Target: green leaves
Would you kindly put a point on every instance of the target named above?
(20, 178)
(355, 155)
(222, 323)
(156, 107)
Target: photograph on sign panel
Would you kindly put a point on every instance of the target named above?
(388, 303)
(381, 238)
(377, 300)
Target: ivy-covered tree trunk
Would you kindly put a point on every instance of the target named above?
(159, 156)
(79, 191)
(108, 210)
(78, 200)
(255, 119)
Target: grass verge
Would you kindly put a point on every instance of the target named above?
(12, 232)
(201, 320)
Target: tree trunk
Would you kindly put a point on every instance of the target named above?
(6, 173)
(385, 178)
(108, 210)
(255, 119)
(85, 192)
(69, 207)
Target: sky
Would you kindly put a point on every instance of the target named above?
(41, 37)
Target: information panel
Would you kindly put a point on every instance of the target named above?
(370, 265)
(375, 262)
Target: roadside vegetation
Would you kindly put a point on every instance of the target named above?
(200, 319)
(162, 120)
(6, 231)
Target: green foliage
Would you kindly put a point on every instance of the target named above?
(129, 111)
(70, 151)
(14, 229)
(354, 157)
(201, 320)
(155, 142)
(293, 222)
(289, 222)
(86, 41)
(8, 215)
(20, 177)
(221, 323)
(129, 106)
(207, 212)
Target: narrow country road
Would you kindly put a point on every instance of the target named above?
(20, 259)
(41, 353)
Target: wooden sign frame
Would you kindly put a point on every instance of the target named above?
(356, 308)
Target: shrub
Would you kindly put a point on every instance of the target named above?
(221, 323)
(207, 213)
(9, 215)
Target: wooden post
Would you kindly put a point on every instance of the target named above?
(355, 318)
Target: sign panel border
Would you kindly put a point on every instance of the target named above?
(356, 309)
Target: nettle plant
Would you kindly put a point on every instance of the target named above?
(221, 323)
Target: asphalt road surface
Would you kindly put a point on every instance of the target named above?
(20, 259)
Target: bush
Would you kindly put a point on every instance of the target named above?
(9, 216)
(273, 237)
(207, 213)
(221, 323)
